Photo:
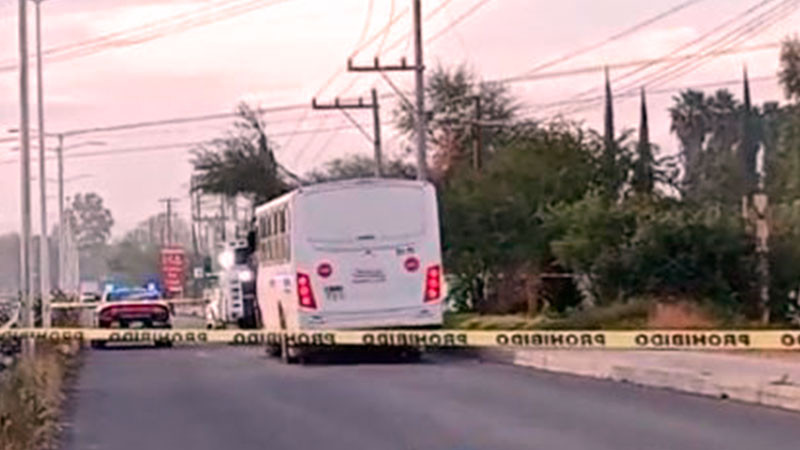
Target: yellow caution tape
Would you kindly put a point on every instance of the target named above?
(614, 340)
(92, 305)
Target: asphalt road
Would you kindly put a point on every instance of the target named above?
(238, 398)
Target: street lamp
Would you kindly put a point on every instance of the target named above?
(42, 182)
(44, 248)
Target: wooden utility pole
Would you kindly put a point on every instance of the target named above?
(168, 202)
(419, 72)
(420, 117)
(376, 137)
(477, 151)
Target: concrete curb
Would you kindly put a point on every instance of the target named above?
(747, 379)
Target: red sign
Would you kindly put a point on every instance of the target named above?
(173, 270)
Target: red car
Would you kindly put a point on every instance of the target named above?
(133, 308)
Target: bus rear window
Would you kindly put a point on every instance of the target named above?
(364, 213)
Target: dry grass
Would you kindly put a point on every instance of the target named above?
(680, 315)
(630, 315)
(472, 321)
(635, 314)
(31, 397)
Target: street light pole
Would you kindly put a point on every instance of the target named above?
(25, 170)
(44, 240)
(61, 237)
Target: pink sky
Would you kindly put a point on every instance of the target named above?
(284, 53)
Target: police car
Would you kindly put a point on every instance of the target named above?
(133, 308)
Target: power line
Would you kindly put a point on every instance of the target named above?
(367, 23)
(730, 21)
(710, 84)
(458, 20)
(205, 15)
(149, 148)
(632, 63)
(180, 120)
(435, 11)
(756, 27)
(764, 22)
(387, 32)
(624, 33)
(740, 32)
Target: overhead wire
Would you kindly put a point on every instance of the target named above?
(613, 38)
(465, 15)
(676, 51)
(141, 149)
(367, 23)
(740, 33)
(582, 70)
(139, 34)
(755, 29)
(400, 41)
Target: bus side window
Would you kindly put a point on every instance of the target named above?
(261, 231)
(286, 249)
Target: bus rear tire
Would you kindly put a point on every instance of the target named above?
(274, 350)
(411, 355)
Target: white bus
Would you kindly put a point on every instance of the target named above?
(352, 254)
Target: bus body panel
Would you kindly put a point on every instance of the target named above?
(365, 247)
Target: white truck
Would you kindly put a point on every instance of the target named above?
(232, 300)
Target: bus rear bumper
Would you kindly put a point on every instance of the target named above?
(427, 316)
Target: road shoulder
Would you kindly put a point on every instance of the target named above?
(769, 381)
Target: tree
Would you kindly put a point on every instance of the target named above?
(711, 130)
(450, 99)
(359, 166)
(134, 263)
(90, 220)
(643, 177)
(690, 122)
(789, 73)
(494, 229)
(243, 162)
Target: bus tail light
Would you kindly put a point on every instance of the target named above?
(433, 283)
(304, 293)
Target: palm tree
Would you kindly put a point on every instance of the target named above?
(724, 122)
(691, 122)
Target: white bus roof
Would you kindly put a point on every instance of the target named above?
(343, 184)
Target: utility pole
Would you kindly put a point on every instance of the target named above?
(222, 218)
(421, 126)
(168, 202)
(477, 152)
(25, 172)
(61, 236)
(193, 194)
(376, 137)
(376, 121)
(44, 240)
(420, 120)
